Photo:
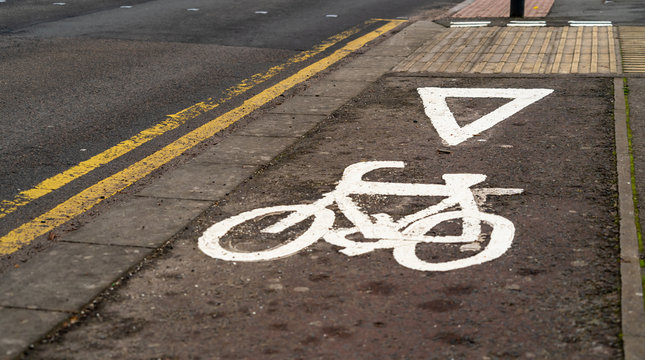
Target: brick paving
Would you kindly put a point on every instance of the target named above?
(501, 8)
(494, 50)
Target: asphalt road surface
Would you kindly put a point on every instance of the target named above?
(619, 12)
(78, 78)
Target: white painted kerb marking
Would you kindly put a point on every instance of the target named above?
(526, 23)
(436, 108)
(456, 24)
(402, 235)
(590, 23)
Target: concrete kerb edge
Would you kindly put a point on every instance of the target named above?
(61, 324)
(632, 309)
(18, 340)
(86, 310)
(56, 327)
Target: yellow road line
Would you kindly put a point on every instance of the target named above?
(171, 122)
(93, 195)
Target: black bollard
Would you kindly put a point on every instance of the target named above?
(517, 8)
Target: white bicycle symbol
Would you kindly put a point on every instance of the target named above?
(401, 235)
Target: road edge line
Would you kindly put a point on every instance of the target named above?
(631, 304)
(91, 196)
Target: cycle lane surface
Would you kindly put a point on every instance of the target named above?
(554, 293)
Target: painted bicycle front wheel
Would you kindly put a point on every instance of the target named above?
(500, 241)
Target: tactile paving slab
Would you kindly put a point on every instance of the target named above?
(535, 50)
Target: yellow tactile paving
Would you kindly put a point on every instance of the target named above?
(632, 44)
(501, 62)
(525, 52)
(577, 49)
(461, 67)
(522, 50)
(537, 66)
(594, 50)
(555, 66)
(612, 55)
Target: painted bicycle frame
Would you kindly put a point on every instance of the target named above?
(402, 235)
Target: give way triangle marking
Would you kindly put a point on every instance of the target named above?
(436, 108)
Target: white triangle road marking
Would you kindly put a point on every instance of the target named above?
(436, 108)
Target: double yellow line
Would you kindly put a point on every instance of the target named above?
(107, 187)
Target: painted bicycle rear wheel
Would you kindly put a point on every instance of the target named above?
(210, 241)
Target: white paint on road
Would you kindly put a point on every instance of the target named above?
(458, 24)
(460, 205)
(590, 23)
(261, 12)
(519, 23)
(332, 16)
(442, 118)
